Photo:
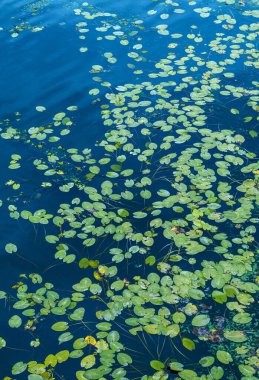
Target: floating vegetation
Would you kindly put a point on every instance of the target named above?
(156, 222)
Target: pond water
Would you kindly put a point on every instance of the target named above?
(129, 189)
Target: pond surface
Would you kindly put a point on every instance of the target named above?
(129, 189)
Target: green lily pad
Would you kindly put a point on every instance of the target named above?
(200, 320)
(235, 336)
(157, 365)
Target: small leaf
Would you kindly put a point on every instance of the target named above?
(15, 321)
(150, 260)
(19, 368)
(235, 336)
(246, 370)
(10, 248)
(124, 359)
(60, 326)
(62, 356)
(188, 343)
(207, 361)
(2, 343)
(88, 361)
(157, 365)
(200, 320)
(40, 109)
(224, 357)
(51, 360)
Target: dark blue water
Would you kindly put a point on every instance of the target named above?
(42, 65)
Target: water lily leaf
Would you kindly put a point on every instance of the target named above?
(224, 357)
(219, 297)
(145, 194)
(40, 108)
(218, 282)
(150, 260)
(52, 239)
(118, 373)
(200, 320)
(113, 336)
(172, 330)
(207, 361)
(93, 374)
(152, 329)
(246, 370)
(51, 360)
(179, 317)
(188, 374)
(62, 356)
(2, 294)
(124, 359)
(78, 314)
(15, 321)
(19, 368)
(196, 294)
(59, 116)
(23, 304)
(103, 326)
(139, 214)
(235, 336)
(95, 289)
(65, 337)
(116, 167)
(117, 285)
(244, 298)
(2, 343)
(10, 248)
(157, 365)
(176, 366)
(75, 354)
(242, 318)
(60, 326)
(188, 344)
(217, 372)
(88, 361)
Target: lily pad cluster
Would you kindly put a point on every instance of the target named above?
(157, 221)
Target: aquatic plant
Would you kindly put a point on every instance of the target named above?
(158, 219)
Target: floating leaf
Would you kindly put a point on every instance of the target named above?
(15, 321)
(51, 360)
(224, 357)
(10, 248)
(246, 370)
(19, 368)
(2, 343)
(234, 111)
(200, 320)
(207, 361)
(88, 361)
(40, 108)
(187, 374)
(124, 359)
(176, 366)
(52, 239)
(242, 318)
(62, 356)
(60, 326)
(157, 365)
(235, 336)
(188, 344)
